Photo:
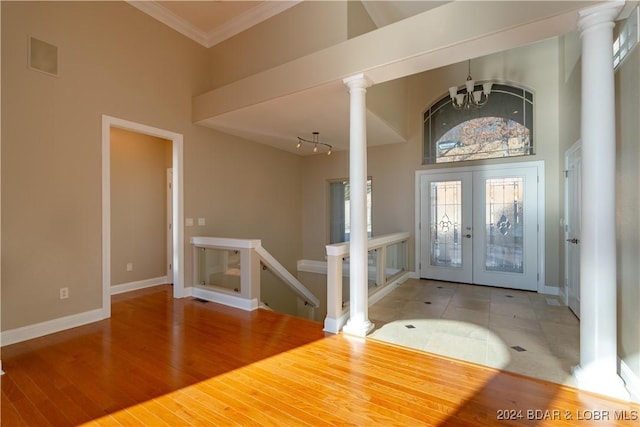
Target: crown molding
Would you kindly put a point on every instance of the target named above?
(246, 20)
(164, 15)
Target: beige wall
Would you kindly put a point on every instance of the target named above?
(244, 190)
(358, 20)
(393, 167)
(305, 28)
(627, 210)
(137, 70)
(139, 166)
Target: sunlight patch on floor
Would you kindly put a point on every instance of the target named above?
(517, 331)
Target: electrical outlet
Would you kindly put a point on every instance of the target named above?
(129, 266)
(64, 293)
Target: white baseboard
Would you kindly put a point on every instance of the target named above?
(225, 299)
(140, 284)
(631, 380)
(549, 290)
(563, 295)
(311, 266)
(24, 333)
(333, 325)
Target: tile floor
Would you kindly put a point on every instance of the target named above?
(524, 332)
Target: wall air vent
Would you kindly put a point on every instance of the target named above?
(42, 56)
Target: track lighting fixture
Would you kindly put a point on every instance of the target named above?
(316, 142)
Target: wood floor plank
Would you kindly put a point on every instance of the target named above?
(240, 411)
(106, 421)
(10, 415)
(159, 361)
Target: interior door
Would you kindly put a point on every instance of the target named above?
(445, 228)
(480, 226)
(573, 195)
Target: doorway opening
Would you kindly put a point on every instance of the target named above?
(176, 196)
(482, 225)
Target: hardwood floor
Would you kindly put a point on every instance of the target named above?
(165, 362)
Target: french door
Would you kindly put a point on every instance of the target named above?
(480, 226)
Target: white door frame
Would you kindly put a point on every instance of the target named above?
(542, 288)
(177, 197)
(169, 225)
(567, 245)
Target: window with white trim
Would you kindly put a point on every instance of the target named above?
(339, 210)
(628, 37)
(503, 127)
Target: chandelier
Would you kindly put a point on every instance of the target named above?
(316, 142)
(468, 97)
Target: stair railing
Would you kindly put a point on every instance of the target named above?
(385, 273)
(252, 254)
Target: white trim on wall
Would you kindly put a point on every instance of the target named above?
(50, 326)
(312, 266)
(140, 284)
(178, 203)
(225, 298)
(631, 380)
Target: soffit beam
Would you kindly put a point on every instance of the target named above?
(420, 43)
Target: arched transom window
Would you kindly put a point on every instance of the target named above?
(503, 127)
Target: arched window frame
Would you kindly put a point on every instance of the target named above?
(506, 101)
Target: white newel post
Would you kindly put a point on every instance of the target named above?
(250, 276)
(598, 329)
(358, 323)
(333, 321)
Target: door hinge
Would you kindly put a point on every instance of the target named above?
(538, 277)
(170, 267)
(566, 173)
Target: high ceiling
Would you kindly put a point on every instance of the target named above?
(278, 123)
(213, 21)
(324, 107)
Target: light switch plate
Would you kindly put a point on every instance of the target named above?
(201, 221)
(189, 222)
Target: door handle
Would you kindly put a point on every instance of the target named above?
(468, 236)
(574, 241)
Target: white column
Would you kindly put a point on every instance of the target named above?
(598, 329)
(358, 323)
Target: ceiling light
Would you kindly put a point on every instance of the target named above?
(468, 97)
(315, 141)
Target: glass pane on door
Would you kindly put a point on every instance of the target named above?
(445, 224)
(504, 225)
